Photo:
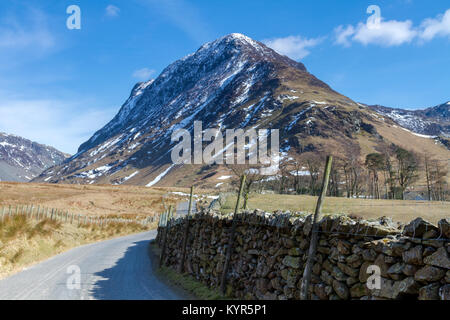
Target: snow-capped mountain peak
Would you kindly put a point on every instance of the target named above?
(23, 160)
(229, 83)
(432, 121)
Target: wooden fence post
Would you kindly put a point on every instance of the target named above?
(166, 232)
(186, 233)
(226, 265)
(159, 220)
(314, 232)
(161, 225)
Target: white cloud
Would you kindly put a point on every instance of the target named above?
(440, 26)
(112, 11)
(295, 47)
(342, 34)
(58, 123)
(31, 32)
(393, 33)
(143, 74)
(386, 33)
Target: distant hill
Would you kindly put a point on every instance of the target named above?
(22, 160)
(433, 121)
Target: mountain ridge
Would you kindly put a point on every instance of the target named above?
(232, 82)
(22, 160)
(432, 121)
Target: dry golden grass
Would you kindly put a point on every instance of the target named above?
(399, 210)
(90, 199)
(411, 142)
(24, 241)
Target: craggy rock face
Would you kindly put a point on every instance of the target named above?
(231, 83)
(270, 252)
(22, 160)
(434, 121)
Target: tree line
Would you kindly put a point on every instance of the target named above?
(390, 174)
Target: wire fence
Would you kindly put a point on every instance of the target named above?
(38, 212)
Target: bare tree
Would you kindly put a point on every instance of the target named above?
(374, 162)
(253, 176)
(313, 162)
(437, 176)
(428, 176)
(352, 168)
(335, 177)
(407, 167)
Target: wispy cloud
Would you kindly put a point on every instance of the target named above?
(112, 11)
(143, 74)
(57, 123)
(30, 32)
(440, 26)
(295, 47)
(389, 33)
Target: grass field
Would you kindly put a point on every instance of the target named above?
(398, 210)
(90, 199)
(135, 200)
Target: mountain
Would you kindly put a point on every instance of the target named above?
(22, 160)
(232, 82)
(433, 121)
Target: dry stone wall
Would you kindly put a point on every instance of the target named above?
(270, 252)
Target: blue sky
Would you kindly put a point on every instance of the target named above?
(58, 86)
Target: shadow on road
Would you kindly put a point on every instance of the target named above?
(130, 278)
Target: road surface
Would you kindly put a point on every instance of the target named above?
(113, 269)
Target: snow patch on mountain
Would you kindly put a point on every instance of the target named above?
(160, 176)
(22, 160)
(433, 121)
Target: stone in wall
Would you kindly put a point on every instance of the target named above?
(270, 252)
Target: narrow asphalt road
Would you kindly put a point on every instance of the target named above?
(113, 269)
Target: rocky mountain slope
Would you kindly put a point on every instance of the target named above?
(433, 121)
(233, 82)
(22, 160)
